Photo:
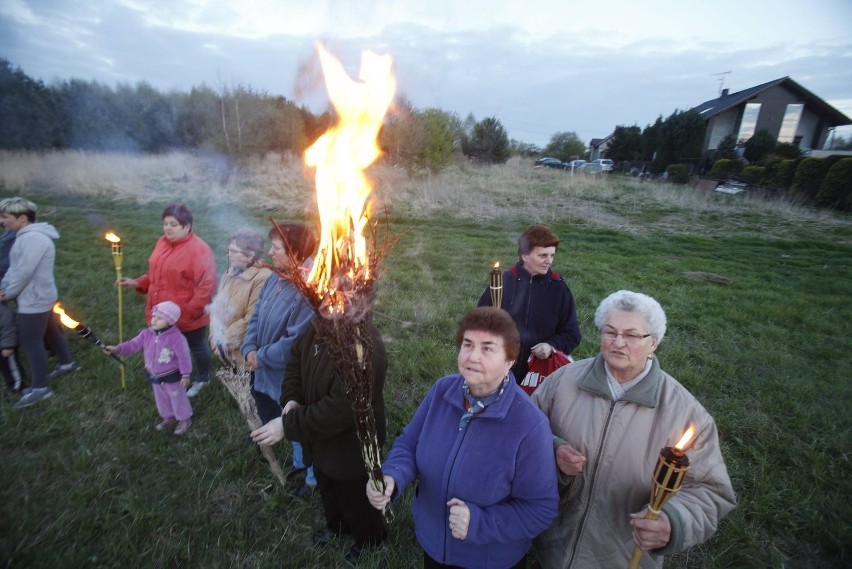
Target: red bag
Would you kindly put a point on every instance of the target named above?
(540, 369)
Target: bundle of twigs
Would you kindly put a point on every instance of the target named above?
(237, 384)
(344, 311)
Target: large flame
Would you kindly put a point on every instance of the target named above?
(112, 237)
(686, 438)
(340, 157)
(66, 320)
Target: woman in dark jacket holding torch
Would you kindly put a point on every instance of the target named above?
(538, 299)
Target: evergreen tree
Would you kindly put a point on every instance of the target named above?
(488, 143)
(759, 146)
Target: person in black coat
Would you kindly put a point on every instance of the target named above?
(538, 299)
(318, 413)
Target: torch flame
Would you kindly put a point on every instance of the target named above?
(686, 438)
(66, 320)
(112, 237)
(497, 265)
(340, 157)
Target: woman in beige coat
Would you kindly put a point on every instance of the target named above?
(239, 290)
(610, 415)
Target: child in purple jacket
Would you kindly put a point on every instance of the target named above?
(167, 360)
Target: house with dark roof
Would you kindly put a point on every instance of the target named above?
(783, 107)
(598, 147)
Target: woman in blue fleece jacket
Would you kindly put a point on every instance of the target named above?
(483, 455)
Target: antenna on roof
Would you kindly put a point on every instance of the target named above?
(721, 77)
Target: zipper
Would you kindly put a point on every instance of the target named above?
(447, 487)
(581, 525)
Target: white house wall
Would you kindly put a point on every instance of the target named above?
(722, 125)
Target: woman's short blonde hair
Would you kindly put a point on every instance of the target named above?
(19, 206)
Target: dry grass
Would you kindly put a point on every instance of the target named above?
(508, 192)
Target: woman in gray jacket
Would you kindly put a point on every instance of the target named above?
(610, 415)
(29, 281)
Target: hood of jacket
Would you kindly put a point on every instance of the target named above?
(39, 227)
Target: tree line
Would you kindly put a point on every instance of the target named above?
(237, 121)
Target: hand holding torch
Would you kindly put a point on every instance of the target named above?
(668, 477)
(82, 330)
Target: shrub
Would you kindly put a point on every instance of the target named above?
(787, 150)
(809, 176)
(727, 148)
(753, 174)
(677, 173)
(759, 146)
(836, 188)
(779, 174)
(724, 168)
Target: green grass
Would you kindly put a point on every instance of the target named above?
(85, 481)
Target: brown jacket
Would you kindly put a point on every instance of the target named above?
(622, 441)
(231, 310)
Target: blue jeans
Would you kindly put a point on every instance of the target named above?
(33, 331)
(197, 340)
(298, 462)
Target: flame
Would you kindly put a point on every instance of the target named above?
(66, 320)
(686, 438)
(340, 157)
(496, 265)
(112, 237)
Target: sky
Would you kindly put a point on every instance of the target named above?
(540, 66)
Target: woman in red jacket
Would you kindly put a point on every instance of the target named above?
(182, 269)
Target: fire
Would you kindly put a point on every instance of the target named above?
(66, 320)
(496, 265)
(112, 237)
(340, 157)
(686, 438)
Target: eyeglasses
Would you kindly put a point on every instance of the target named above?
(237, 252)
(629, 337)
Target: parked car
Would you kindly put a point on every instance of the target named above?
(575, 164)
(591, 168)
(550, 163)
(605, 163)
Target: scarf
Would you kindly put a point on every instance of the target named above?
(478, 404)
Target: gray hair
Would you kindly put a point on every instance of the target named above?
(629, 301)
(19, 206)
(250, 241)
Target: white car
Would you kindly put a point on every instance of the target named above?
(605, 163)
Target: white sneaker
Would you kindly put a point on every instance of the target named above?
(196, 388)
(35, 395)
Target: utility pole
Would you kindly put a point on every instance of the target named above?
(721, 77)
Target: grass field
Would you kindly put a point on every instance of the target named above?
(756, 291)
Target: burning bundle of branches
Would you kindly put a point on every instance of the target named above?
(341, 283)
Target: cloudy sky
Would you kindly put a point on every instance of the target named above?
(541, 66)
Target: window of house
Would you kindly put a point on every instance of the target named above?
(790, 122)
(748, 124)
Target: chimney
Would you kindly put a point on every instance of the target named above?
(724, 93)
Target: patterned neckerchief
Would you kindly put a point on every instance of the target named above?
(474, 405)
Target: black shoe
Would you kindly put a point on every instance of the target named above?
(322, 536)
(305, 492)
(353, 557)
